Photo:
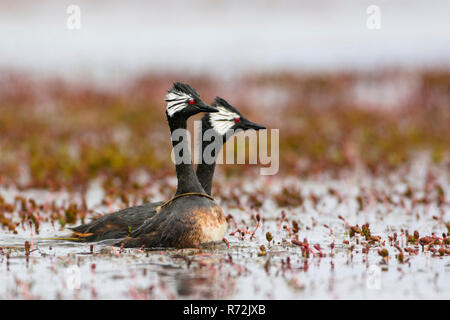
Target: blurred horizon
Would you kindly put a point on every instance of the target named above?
(222, 39)
(362, 119)
(344, 97)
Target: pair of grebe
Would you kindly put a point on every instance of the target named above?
(191, 217)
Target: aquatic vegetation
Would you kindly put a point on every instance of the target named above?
(58, 136)
(359, 187)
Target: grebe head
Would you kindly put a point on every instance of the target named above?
(229, 118)
(183, 100)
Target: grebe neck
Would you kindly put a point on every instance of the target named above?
(205, 171)
(187, 179)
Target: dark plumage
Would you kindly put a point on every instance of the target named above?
(184, 223)
(187, 221)
(183, 87)
(118, 224)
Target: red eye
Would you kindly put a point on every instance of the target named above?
(237, 120)
(191, 101)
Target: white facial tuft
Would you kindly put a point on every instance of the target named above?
(223, 120)
(176, 101)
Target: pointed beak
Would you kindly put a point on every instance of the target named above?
(203, 107)
(247, 124)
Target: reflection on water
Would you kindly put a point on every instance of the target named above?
(389, 204)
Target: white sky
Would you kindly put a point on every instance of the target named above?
(220, 37)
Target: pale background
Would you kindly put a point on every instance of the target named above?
(224, 38)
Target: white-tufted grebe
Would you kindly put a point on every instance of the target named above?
(226, 122)
(115, 225)
(190, 218)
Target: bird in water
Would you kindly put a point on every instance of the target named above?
(191, 217)
(227, 121)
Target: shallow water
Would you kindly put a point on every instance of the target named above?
(53, 268)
